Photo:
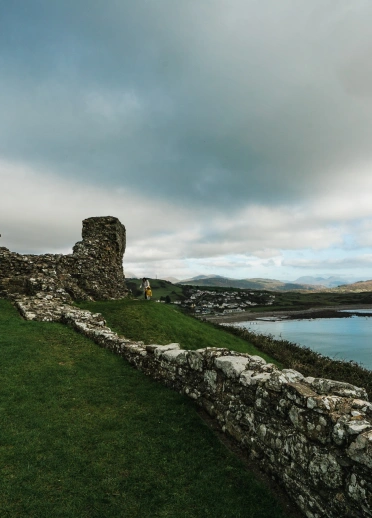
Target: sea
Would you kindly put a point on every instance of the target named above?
(338, 338)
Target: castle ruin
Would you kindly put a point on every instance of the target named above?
(93, 271)
(312, 435)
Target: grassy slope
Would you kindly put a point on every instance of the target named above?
(163, 323)
(159, 289)
(83, 434)
(151, 322)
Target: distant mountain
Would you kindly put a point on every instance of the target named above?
(329, 282)
(253, 284)
(356, 287)
(173, 280)
(202, 278)
(130, 275)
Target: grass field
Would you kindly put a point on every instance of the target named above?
(152, 322)
(159, 287)
(83, 434)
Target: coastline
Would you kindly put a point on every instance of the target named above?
(321, 312)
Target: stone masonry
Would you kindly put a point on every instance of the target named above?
(314, 436)
(93, 271)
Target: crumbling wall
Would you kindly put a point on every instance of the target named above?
(93, 271)
(314, 436)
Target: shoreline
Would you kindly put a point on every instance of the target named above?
(301, 314)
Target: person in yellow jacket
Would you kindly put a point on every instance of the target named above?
(144, 285)
(148, 292)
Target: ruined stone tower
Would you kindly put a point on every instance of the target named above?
(97, 263)
(93, 271)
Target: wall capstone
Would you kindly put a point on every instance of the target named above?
(93, 271)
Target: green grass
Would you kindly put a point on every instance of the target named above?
(83, 434)
(159, 287)
(152, 322)
(299, 301)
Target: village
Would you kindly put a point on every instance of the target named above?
(205, 302)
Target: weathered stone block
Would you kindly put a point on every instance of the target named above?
(210, 377)
(195, 360)
(314, 426)
(360, 449)
(252, 378)
(337, 388)
(232, 366)
(160, 349)
(325, 404)
(299, 393)
(325, 470)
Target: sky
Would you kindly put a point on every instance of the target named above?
(230, 137)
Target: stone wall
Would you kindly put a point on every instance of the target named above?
(93, 271)
(314, 436)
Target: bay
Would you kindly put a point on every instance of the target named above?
(338, 338)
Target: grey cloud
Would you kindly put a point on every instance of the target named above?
(32, 238)
(232, 102)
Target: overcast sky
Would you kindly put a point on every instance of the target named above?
(229, 136)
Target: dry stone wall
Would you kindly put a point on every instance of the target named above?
(314, 436)
(93, 271)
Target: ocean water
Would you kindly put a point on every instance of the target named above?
(337, 338)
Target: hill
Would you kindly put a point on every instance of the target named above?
(253, 284)
(357, 287)
(161, 288)
(331, 281)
